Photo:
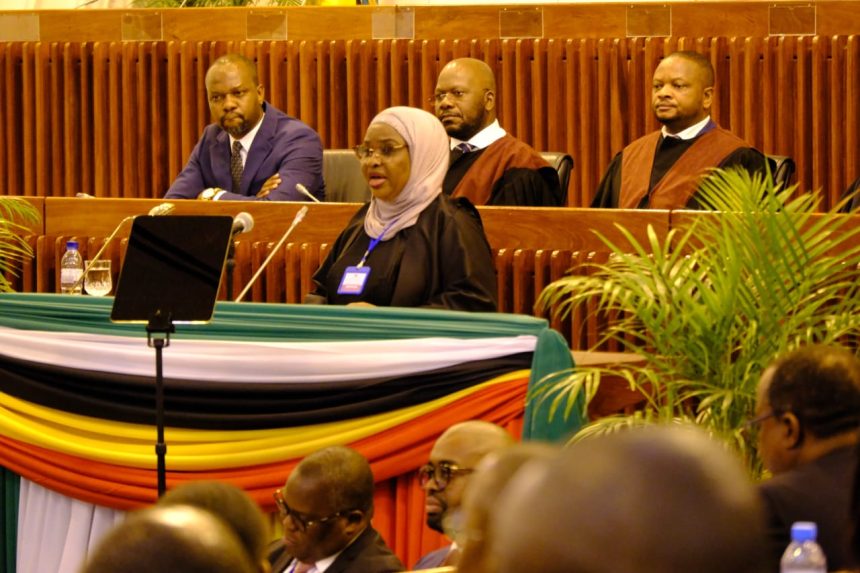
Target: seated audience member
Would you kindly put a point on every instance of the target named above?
(489, 480)
(253, 151)
(808, 414)
(410, 245)
(453, 458)
(488, 166)
(178, 539)
(643, 500)
(663, 170)
(234, 507)
(326, 507)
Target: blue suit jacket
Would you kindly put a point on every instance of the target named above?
(283, 145)
(433, 559)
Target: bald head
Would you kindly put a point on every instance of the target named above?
(341, 472)
(456, 454)
(465, 97)
(236, 61)
(470, 441)
(180, 539)
(641, 501)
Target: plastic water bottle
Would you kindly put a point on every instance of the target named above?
(803, 554)
(71, 269)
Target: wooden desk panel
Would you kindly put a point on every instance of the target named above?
(532, 246)
(506, 228)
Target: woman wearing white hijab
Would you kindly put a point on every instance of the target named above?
(410, 246)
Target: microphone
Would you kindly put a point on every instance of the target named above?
(242, 223)
(161, 209)
(304, 191)
(296, 220)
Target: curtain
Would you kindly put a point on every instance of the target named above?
(247, 396)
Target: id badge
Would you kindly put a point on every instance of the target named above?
(353, 281)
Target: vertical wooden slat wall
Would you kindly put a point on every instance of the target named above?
(120, 119)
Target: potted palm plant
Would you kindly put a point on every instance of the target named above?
(710, 305)
(15, 214)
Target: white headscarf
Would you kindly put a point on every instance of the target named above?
(428, 155)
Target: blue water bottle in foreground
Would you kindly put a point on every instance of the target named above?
(803, 554)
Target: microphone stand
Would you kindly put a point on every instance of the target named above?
(162, 209)
(298, 219)
(158, 336)
(83, 276)
(230, 265)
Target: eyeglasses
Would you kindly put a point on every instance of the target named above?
(455, 94)
(441, 474)
(751, 426)
(302, 521)
(364, 152)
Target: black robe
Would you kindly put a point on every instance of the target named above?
(443, 261)
(512, 175)
(609, 190)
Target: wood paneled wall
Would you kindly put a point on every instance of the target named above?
(119, 119)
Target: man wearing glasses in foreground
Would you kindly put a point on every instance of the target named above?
(326, 507)
(452, 460)
(488, 166)
(807, 417)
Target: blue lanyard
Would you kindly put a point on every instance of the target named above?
(373, 244)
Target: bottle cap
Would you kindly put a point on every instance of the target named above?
(804, 531)
(72, 245)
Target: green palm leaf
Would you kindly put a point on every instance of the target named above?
(15, 213)
(708, 306)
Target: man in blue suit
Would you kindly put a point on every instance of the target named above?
(252, 151)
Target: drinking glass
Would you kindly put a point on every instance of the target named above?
(98, 280)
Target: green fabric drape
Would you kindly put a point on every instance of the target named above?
(554, 357)
(260, 321)
(11, 483)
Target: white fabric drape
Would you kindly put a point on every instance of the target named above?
(258, 362)
(55, 532)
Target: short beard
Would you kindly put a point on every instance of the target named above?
(239, 131)
(434, 522)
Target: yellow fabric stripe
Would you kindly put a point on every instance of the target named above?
(132, 444)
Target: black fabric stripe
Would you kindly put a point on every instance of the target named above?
(235, 406)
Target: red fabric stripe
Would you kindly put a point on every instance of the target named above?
(391, 453)
(394, 454)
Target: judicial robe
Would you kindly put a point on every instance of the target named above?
(443, 261)
(665, 174)
(506, 173)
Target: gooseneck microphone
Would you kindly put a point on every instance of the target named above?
(304, 191)
(160, 209)
(296, 220)
(242, 223)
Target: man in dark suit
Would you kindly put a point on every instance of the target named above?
(252, 151)
(808, 414)
(326, 507)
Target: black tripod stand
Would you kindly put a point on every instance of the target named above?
(171, 274)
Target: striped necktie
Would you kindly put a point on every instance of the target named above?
(461, 149)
